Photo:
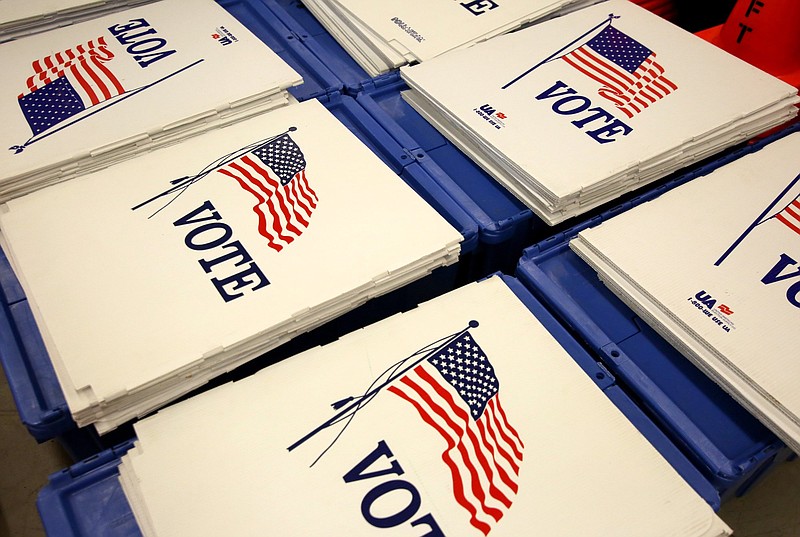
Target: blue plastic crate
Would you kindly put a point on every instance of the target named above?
(10, 289)
(86, 500)
(32, 379)
(731, 446)
(318, 80)
(318, 40)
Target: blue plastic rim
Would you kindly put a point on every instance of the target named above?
(304, 27)
(318, 79)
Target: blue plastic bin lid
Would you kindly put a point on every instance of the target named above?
(720, 435)
(87, 499)
(319, 41)
(31, 377)
(318, 79)
(10, 289)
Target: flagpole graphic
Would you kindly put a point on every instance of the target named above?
(394, 372)
(181, 184)
(558, 53)
(788, 216)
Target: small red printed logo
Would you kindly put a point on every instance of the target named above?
(725, 309)
(223, 36)
(491, 115)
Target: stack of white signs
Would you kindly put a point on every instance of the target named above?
(88, 95)
(462, 417)
(384, 35)
(712, 266)
(571, 113)
(19, 18)
(152, 276)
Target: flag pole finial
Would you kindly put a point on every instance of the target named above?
(473, 324)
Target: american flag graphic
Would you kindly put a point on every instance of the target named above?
(627, 70)
(284, 199)
(67, 83)
(456, 392)
(790, 216)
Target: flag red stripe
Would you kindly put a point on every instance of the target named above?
(573, 61)
(276, 194)
(638, 99)
(110, 77)
(461, 431)
(275, 189)
(296, 195)
(617, 77)
(790, 217)
(276, 224)
(789, 211)
(613, 96)
(458, 483)
(75, 69)
(657, 72)
(662, 84)
(458, 432)
(262, 220)
(788, 224)
(307, 191)
(308, 195)
(290, 194)
(491, 445)
(507, 451)
(609, 91)
(88, 65)
(283, 203)
(507, 429)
